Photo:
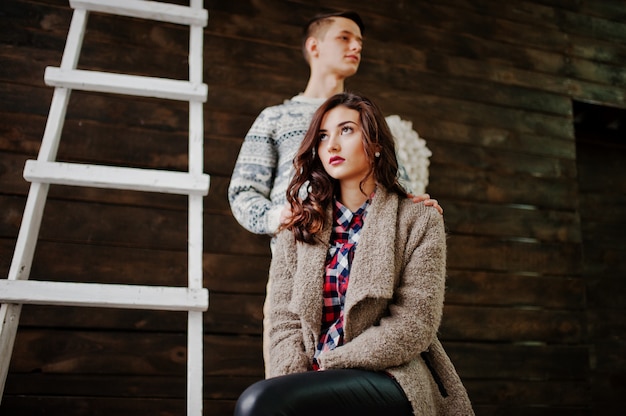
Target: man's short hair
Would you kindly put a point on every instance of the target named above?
(320, 20)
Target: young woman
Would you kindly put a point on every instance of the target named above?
(358, 277)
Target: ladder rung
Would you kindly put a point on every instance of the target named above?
(152, 10)
(115, 177)
(125, 84)
(103, 295)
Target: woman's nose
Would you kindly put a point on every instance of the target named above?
(333, 144)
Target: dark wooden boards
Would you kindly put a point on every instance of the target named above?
(488, 84)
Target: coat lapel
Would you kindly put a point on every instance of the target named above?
(373, 268)
(309, 279)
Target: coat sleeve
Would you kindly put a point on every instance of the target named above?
(414, 313)
(287, 353)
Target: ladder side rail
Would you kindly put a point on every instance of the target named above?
(196, 153)
(195, 331)
(61, 96)
(31, 219)
(195, 364)
(37, 194)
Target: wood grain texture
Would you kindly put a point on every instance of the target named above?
(533, 318)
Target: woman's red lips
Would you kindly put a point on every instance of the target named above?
(335, 159)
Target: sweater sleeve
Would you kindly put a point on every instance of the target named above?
(415, 311)
(253, 177)
(287, 352)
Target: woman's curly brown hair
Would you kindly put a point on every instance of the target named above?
(311, 189)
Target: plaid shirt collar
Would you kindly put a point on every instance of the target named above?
(344, 218)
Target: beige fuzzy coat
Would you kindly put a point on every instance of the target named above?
(393, 305)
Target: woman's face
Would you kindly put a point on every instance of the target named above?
(340, 146)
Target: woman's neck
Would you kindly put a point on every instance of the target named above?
(353, 196)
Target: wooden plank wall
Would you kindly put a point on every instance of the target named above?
(489, 84)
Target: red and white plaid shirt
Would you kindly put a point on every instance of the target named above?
(343, 240)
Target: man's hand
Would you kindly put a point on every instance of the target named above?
(427, 201)
(285, 214)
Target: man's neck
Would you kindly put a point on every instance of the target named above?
(323, 88)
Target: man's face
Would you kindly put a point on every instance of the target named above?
(339, 49)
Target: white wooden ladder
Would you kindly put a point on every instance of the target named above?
(17, 289)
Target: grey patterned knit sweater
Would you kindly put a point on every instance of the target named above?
(257, 190)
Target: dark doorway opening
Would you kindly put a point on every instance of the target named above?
(601, 163)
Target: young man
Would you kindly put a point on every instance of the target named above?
(332, 45)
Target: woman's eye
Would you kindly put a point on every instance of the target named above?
(346, 129)
(323, 136)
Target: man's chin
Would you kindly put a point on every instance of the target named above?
(351, 71)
